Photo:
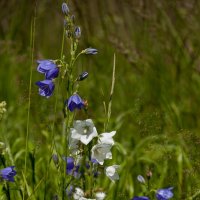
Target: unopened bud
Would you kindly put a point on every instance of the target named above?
(65, 9)
(83, 76)
(77, 32)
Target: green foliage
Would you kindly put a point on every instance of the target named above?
(155, 104)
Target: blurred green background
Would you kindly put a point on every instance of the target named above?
(156, 99)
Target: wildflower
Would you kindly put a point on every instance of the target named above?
(100, 152)
(74, 102)
(140, 179)
(111, 172)
(45, 65)
(100, 196)
(84, 131)
(53, 73)
(46, 88)
(140, 198)
(49, 68)
(77, 32)
(90, 51)
(70, 165)
(164, 194)
(106, 138)
(65, 9)
(83, 76)
(8, 173)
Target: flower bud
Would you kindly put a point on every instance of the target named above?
(90, 51)
(65, 9)
(83, 76)
(77, 32)
(140, 179)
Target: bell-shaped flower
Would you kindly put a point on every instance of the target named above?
(111, 172)
(45, 65)
(141, 198)
(84, 131)
(106, 138)
(75, 102)
(164, 194)
(101, 152)
(46, 88)
(49, 68)
(8, 173)
(53, 73)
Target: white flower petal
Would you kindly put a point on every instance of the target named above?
(100, 152)
(100, 196)
(84, 131)
(106, 138)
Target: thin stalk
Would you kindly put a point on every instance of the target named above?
(32, 45)
(111, 94)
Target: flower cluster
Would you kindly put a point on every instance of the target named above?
(51, 71)
(8, 173)
(81, 135)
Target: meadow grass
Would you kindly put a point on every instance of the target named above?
(154, 103)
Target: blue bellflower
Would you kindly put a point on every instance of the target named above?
(46, 88)
(74, 102)
(8, 173)
(164, 194)
(49, 68)
(140, 198)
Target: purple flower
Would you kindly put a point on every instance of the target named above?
(90, 51)
(53, 73)
(164, 194)
(49, 68)
(74, 102)
(8, 173)
(46, 88)
(45, 65)
(140, 198)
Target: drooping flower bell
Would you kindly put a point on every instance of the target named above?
(8, 173)
(49, 68)
(75, 102)
(111, 172)
(46, 88)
